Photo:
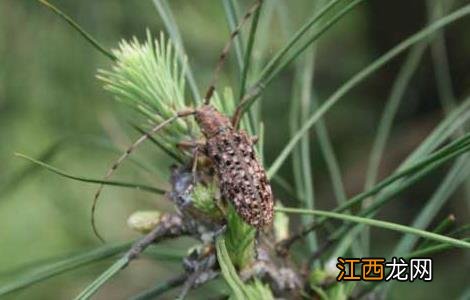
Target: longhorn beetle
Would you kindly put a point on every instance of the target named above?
(242, 178)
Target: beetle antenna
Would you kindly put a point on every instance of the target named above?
(223, 55)
(123, 157)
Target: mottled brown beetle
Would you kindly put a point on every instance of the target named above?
(242, 179)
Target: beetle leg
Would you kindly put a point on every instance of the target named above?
(194, 168)
(185, 145)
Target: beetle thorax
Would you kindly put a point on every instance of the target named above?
(211, 121)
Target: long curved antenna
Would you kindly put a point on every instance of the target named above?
(129, 150)
(225, 50)
(237, 115)
(184, 113)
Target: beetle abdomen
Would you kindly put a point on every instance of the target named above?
(242, 179)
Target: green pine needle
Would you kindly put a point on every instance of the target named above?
(361, 76)
(138, 186)
(381, 224)
(59, 266)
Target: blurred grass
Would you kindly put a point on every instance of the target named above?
(48, 90)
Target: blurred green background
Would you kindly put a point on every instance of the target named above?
(49, 95)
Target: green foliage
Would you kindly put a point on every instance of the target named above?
(203, 200)
(228, 270)
(114, 269)
(240, 291)
(362, 75)
(164, 10)
(382, 224)
(78, 28)
(91, 289)
(281, 225)
(257, 290)
(149, 78)
(240, 239)
(48, 167)
(58, 266)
